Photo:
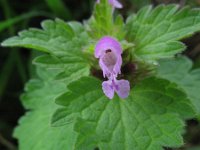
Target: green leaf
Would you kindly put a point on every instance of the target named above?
(69, 67)
(147, 120)
(57, 38)
(64, 43)
(180, 71)
(103, 23)
(35, 131)
(155, 32)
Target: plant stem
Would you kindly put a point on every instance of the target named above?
(6, 143)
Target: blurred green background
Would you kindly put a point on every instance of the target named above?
(15, 64)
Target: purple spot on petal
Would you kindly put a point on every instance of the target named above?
(109, 50)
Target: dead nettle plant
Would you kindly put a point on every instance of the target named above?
(108, 83)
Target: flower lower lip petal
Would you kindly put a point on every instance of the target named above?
(107, 89)
(123, 88)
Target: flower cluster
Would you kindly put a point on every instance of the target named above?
(109, 51)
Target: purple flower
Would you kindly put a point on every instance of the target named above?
(109, 51)
(114, 3)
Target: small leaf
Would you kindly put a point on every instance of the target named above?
(103, 23)
(72, 67)
(48, 61)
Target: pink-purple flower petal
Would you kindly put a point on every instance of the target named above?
(107, 43)
(114, 3)
(109, 51)
(108, 89)
(123, 88)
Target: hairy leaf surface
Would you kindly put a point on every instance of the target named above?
(155, 32)
(180, 71)
(64, 44)
(34, 130)
(102, 23)
(149, 119)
